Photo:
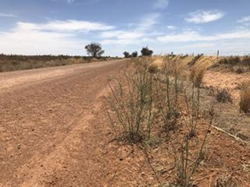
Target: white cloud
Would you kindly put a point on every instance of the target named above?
(197, 45)
(54, 37)
(171, 27)
(66, 26)
(161, 4)
(119, 41)
(193, 36)
(31, 42)
(181, 37)
(148, 21)
(7, 15)
(244, 20)
(119, 34)
(70, 1)
(204, 16)
(131, 36)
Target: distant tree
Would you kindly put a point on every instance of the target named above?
(146, 51)
(134, 54)
(94, 49)
(126, 54)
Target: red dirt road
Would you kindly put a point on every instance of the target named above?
(49, 124)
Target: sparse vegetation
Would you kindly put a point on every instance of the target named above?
(145, 106)
(15, 62)
(236, 64)
(21, 62)
(172, 109)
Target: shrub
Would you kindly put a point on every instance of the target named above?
(132, 103)
(245, 98)
(223, 96)
(146, 51)
(126, 54)
(134, 54)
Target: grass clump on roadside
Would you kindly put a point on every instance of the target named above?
(245, 98)
(146, 107)
(132, 103)
(197, 75)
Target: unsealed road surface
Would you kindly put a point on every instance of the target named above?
(47, 122)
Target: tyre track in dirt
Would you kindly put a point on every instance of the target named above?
(43, 123)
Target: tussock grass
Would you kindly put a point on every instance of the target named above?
(195, 59)
(245, 98)
(197, 75)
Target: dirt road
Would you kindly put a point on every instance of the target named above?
(49, 125)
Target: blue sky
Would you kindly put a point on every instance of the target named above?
(182, 26)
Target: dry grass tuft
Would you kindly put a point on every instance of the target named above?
(245, 97)
(195, 59)
(156, 66)
(197, 75)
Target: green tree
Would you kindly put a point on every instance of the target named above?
(94, 49)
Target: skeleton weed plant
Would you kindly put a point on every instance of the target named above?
(132, 104)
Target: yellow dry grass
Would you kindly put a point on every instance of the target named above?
(245, 97)
(206, 61)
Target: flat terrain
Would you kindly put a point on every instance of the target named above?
(54, 131)
(47, 123)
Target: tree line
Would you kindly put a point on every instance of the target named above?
(95, 50)
(144, 52)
